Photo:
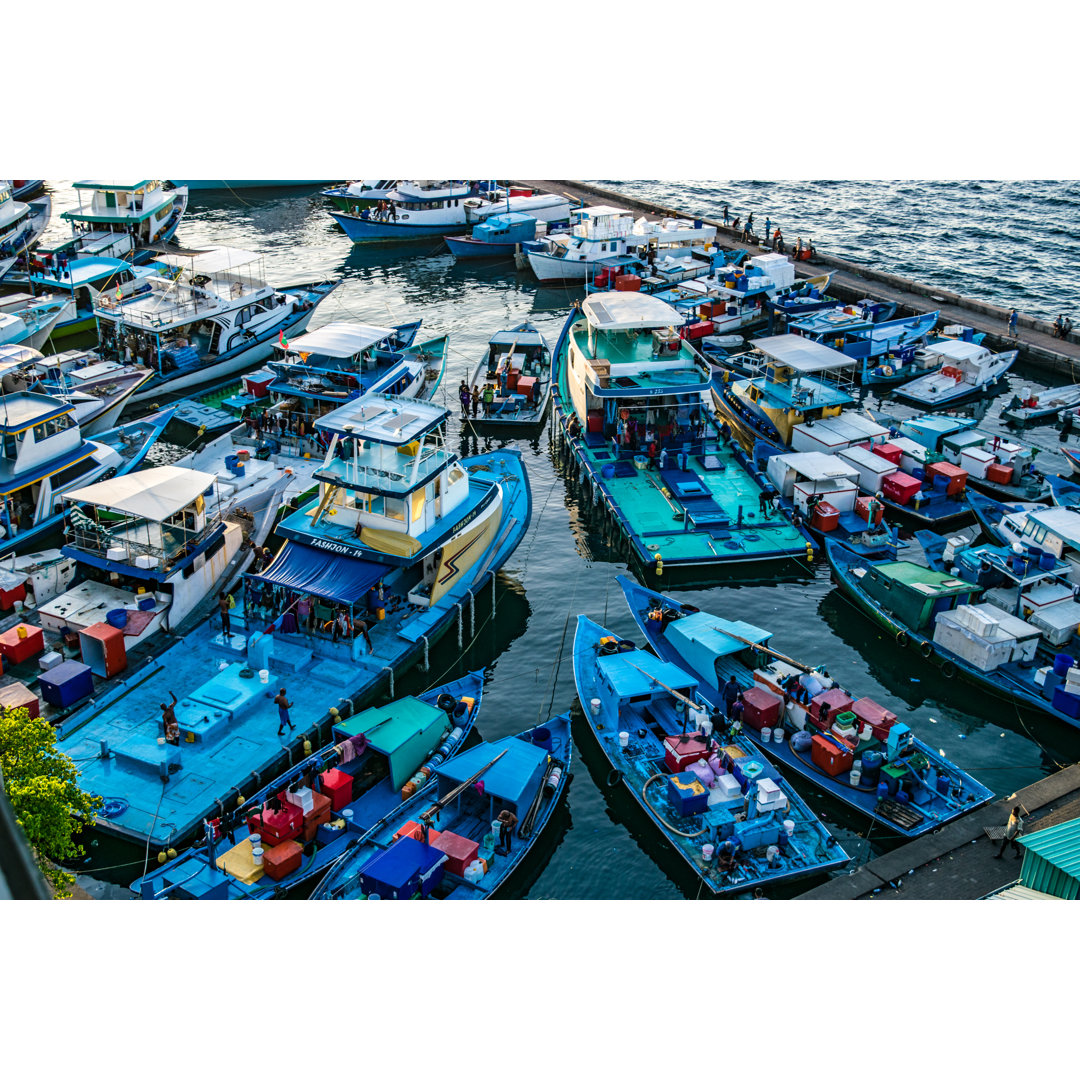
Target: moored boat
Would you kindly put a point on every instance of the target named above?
(312, 817)
(448, 842)
(1029, 408)
(21, 226)
(969, 370)
(496, 237)
(728, 814)
(517, 368)
(28, 321)
(851, 747)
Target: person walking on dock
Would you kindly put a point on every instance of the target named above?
(767, 224)
(1014, 317)
(283, 706)
(1014, 828)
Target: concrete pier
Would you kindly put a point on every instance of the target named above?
(851, 281)
(957, 862)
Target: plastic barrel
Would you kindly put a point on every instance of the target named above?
(541, 737)
(1062, 663)
(1046, 561)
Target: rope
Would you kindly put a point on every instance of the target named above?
(150, 831)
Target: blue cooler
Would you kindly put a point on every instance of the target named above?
(686, 794)
(66, 684)
(1069, 704)
(404, 869)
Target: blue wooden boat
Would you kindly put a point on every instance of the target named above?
(939, 616)
(379, 750)
(498, 236)
(356, 572)
(517, 365)
(1063, 492)
(24, 189)
(62, 457)
(892, 777)
(630, 401)
(806, 298)
(707, 796)
(1003, 522)
(443, 843)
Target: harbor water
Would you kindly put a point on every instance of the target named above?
(599, 845)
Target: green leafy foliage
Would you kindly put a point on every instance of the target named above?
(42, 786)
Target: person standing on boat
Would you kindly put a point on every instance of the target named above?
(475, 401)
(464, 397)
(1014, 318)
(1014, 828)
(224, 600)
(731, 695)
(168, 718)
(507, 819)
(489, 397)
(737, 709)
(763, 503)
(283, 706)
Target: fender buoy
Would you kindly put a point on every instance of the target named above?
(926, 649)
(948, 669)
(901, 638)
(614, 778)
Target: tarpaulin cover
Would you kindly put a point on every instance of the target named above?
(319, 573)
(399, 864)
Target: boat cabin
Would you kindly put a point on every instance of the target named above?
(90, 278)
(505, 229)
(143, 209)
(914, 594)
(705, 643)
(12, 215)
(808, 478)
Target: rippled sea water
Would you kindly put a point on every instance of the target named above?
(599, 846)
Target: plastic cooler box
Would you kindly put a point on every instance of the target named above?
(318, 815)
(17, 649)
(66, 683)
(889, 452)
(835, 698)
(102, 647)
(900, 487)
(955, 477)
(9, 596)
(825, 517)
(526, 386)
(1067, 703)
(18, 696)
(999, 474)
(276, 826)
(628, 283)
(284, 858)
(761, 708)
(829, 756)
(338, 786)
(686, 794)
(862, 509)
(681, 750)
(403, 870)
(877, 716)
(459, 850)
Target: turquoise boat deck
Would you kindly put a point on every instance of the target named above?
(801, 394)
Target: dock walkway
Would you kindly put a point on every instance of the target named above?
(957, 861)
(852, 281)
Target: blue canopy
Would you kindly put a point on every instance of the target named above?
(319, 573)
(638, 672)
(511, 778)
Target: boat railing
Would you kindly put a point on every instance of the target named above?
(381, 475)
(86, 535)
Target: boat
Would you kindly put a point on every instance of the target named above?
(1063, 492)
(81, 283)
(496, 237)
(209, 315)
(801, 382)
(822, 492)
(994, 465)
(414, 211)
(1053, 530)
(715, 797)
(800, 302)
(357, 195)
(312, 817)
(605, 231)
(1028, 408)
(21, 226)
(243, 185)
(45, 455)
(1073, 458)
(875, 343)
(517, 365)
(24, 189)
(850, 747)
(150, 547)
(28, 322)
(939, 616)
(626, 381)
(97, 389)
(403, 538)
(124, 221)
(445, 842)
(969, 370)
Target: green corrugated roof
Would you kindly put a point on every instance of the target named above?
(390, 726)
(908, 573)
(1059, 845)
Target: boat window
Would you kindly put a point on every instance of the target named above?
(52, 427)
(395, 509)
(162, 213)
(456, 474)
(11, 447)
(110, 198)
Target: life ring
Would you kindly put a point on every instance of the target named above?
(111, 808)
(927, 649)
(902, 638)
(948, 669)
(614, 778)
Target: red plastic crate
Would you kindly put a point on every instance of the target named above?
(826, 755)
(282, 859)
(999, 474)
(862, 508)
(338, 786)
(877, 716)
(276, 826)
(318, 815)
(761, 707)
(696, 330)
(835, 698)
(628, 283)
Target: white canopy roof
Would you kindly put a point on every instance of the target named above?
(340, 339)
(154, 494)
(957, 350)
(817, 466)
(602, 211)
(213, 261)
(800, 353)
(628, 311)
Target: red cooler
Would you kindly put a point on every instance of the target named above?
(862, 508)
(277, 826)
(282, 859)
(835, 698)
(761, 707)
(338, 786)
(956, 476)
(900, 487)
(877, 716)
(459, 851)
(682, 750)
(829, 756)
(889, 452)
(628, 283)
(999, 474)
(826, 517)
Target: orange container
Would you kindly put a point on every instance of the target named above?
(999, 474)
(283, 859)
(318, 815)
(826, 517)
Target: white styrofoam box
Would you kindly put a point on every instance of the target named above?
(768, 790)
(872, 468)
(986, 654)
(839, 493)
(303, 797)
(1058, 624)
(727, 784)
(145, 562)
(115, 553)
(820, 436)
(49, 660)
(1040, 675)
(971, 618)
(776, 806)
(976, 462)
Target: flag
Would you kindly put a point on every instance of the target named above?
(282, 341)
(119, 292)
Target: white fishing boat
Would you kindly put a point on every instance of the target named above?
(210, 314)
(28, 322)
(150, 547)
(1026, 407)
(968, 370)
(123, 221)
(604, 232)
(21, 226)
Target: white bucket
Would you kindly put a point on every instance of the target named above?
(866, 733)
(624, 739)
(778, 735)
(222, 665)
(772, 852)
(347, 814)
(161, 741)
(594, 706)
(766, 734)
(707, 852)
(789, 826)
(254, 839)
(705, 727)
(854, 776)
(496, 829)
(264, 675)
(256, 855)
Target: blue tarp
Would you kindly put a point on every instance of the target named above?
(509, 778)
(320, 573)
(400, 864)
